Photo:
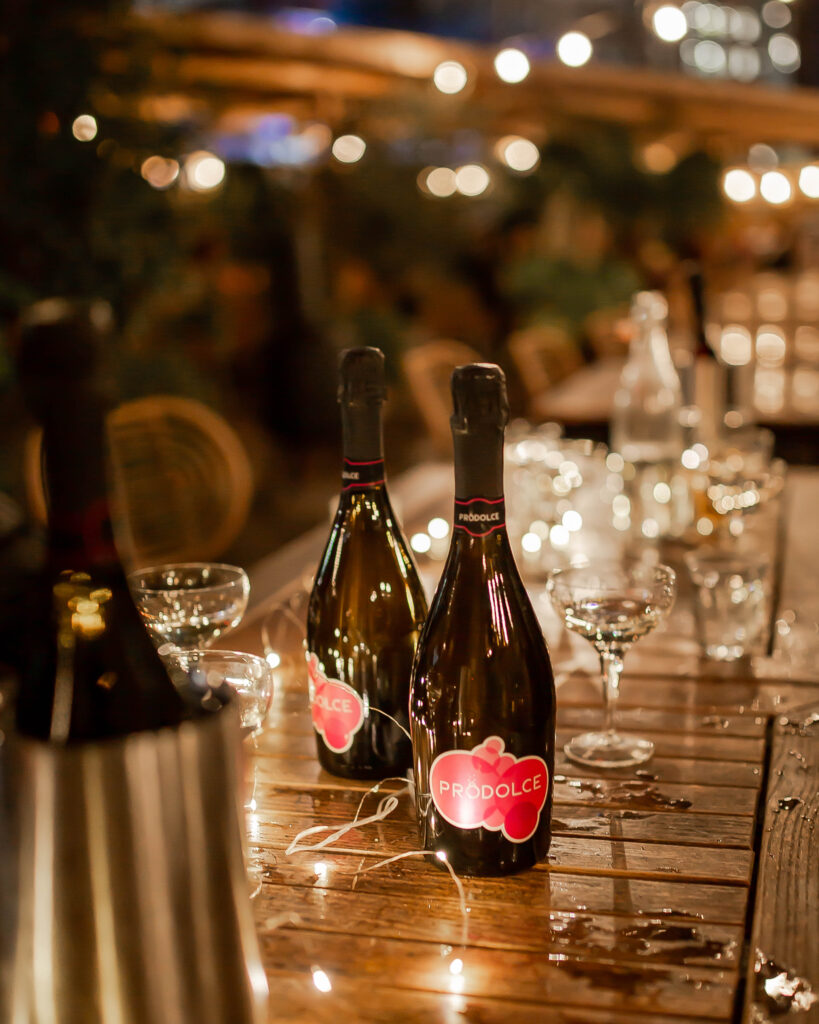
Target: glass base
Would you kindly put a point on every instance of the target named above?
(608, 750)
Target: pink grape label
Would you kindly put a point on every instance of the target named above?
(484, 787)
(337, 710)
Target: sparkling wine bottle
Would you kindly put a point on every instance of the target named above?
(482, 704)
(367, 605)
(90, 670)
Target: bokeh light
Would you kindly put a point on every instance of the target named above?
(739, 185)
(160, 172)
(574, 49)
(450, 77)
(809, 181)
(348, 149)
(204, 171)
(517, 153)
(775, 188)
(512, 65)
(440, 182)
(669, 23)
(472, 179)
(84, 128)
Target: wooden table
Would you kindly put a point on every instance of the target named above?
(660, 886)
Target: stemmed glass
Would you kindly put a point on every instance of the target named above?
(189, 605)
(611, 604)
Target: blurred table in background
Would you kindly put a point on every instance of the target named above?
(583, 404)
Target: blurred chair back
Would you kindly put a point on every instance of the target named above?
(428, 368)
(182, 474)
(543, 355)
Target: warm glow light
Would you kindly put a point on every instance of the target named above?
(572, 520)
(321, 981)
(776, 14)
(441, 182)
(574, 49)
(159, 172)
(709, 57)
(739, 185)
(84, 128)
(531, 543)
(204, 171)
(450, 77)
(669, 23)
(438, 528)
(273, 659)
(559, 536)
(471, 179)
(348, 149)
(420, 542)
(659, 157)
(770, 346)
(809, 181)
(457, 966)
(775, 187)
(517, 153)
(735, 345)
(512, 65)
(784, 52)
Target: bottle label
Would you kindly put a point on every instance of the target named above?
(337, 710)
(484, 787)
(362, 474)
(480, 516)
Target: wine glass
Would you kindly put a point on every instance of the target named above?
(611, 604)
(188, 606)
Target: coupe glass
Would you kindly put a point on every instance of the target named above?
(190, 605)
(611, 604)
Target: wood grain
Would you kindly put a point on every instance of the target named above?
(514, 976)
(785, 934)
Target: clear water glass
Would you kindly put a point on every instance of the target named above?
(612, 605)
(190, 605)
(248, 675)
(731, 601)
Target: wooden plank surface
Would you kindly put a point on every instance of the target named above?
(783, 959)
(640, 912)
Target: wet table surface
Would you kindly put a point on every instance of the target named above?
(685, 891)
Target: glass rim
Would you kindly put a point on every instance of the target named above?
(236, 572)
(660, 571)
(722, 558)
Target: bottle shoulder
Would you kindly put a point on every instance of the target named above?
(481, 614)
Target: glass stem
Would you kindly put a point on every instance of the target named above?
(611, 663)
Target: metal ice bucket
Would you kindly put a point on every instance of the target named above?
(123, 897)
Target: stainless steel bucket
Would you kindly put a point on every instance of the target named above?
(125, 899)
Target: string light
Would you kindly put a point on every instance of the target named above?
(784, 52)
(440, 182)
(517, 153)
(809, 181)
(348, 149)
(512, 65)
(574, 49)
(84, 128)
(450, 77)
(159, 172)
(669, 23)
(204, 171)
(775, 188)
(471, 179)
(739, 185)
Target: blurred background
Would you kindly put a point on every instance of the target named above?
(253, 186)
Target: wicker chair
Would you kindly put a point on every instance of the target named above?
(427, 369)
(182, 475)
(543, 355)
